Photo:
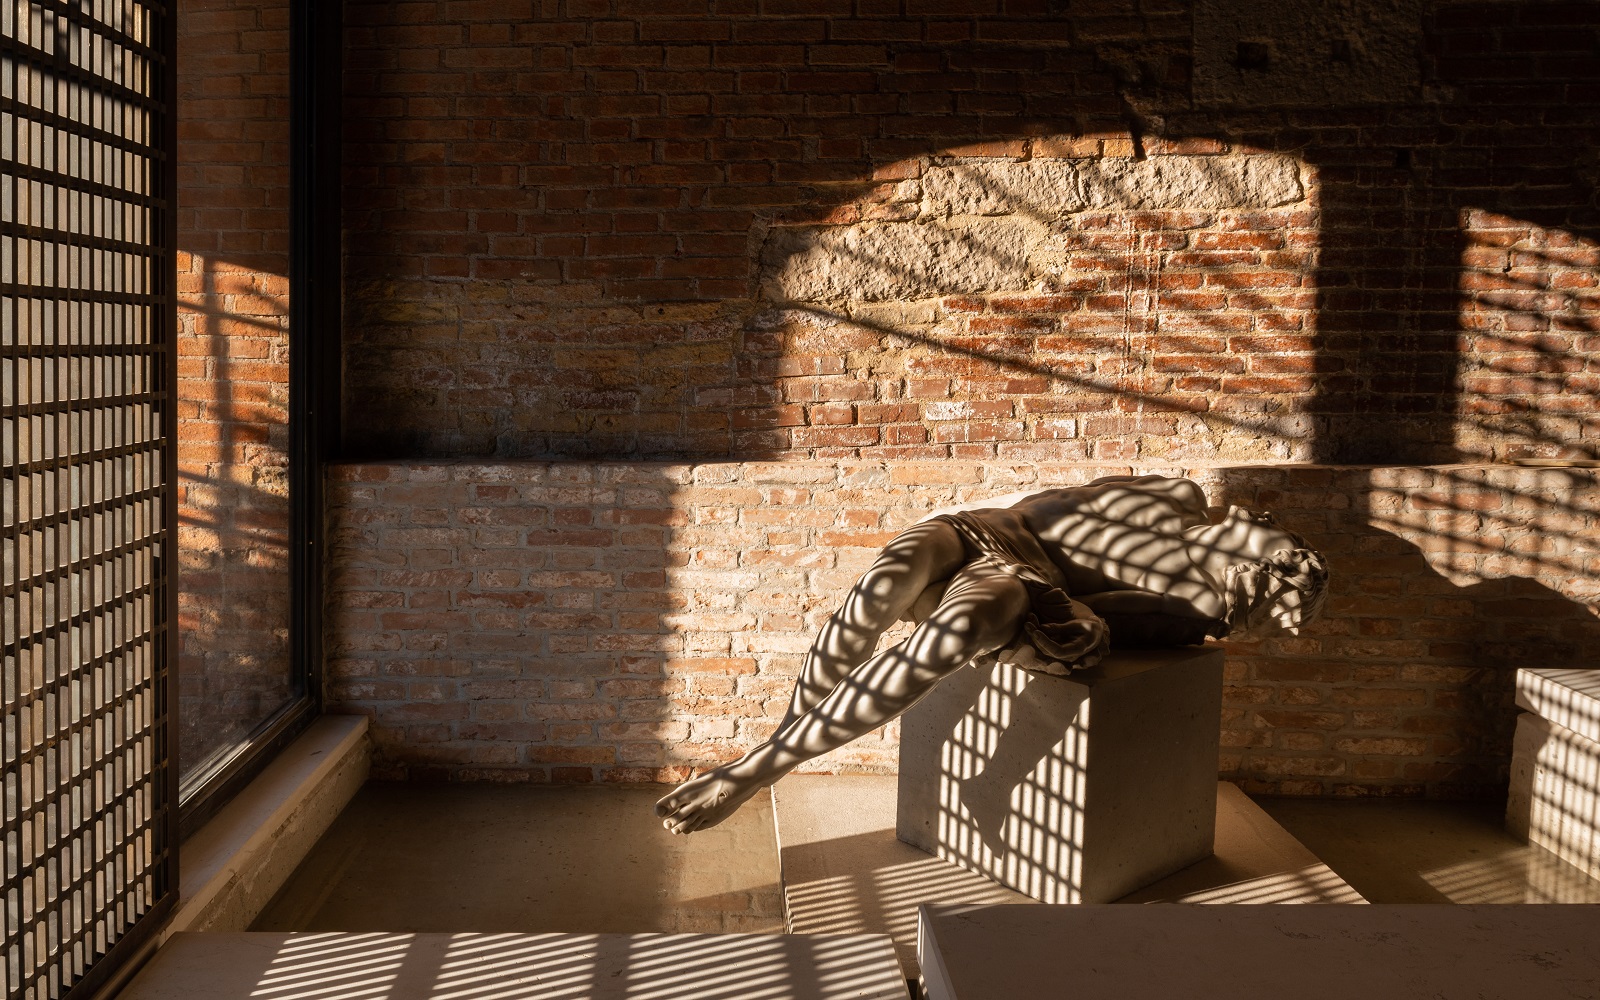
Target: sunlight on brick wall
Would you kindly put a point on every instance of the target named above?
(233, 293)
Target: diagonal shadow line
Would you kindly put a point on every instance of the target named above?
(1400, 527)
(1094, 197)
(1014, 364)
(1123, 277)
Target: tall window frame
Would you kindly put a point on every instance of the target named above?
(91, 808)
(315, 358)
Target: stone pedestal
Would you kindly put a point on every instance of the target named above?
(1554, 800)
(1068, 790)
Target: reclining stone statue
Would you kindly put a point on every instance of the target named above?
(1050, 582)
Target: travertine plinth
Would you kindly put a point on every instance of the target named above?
(1554, 800)
(1069, 790)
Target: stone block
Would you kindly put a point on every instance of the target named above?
(1068, 790)
(1554, 800)
(1388, 952)
(1567, 696)
(844, 871)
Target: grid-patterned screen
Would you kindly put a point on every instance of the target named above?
(84, 328)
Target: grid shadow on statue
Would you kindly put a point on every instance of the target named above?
(1143, 555)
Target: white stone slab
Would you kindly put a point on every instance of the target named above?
(1392, 952)
(1076, 789)
(1567, 696)
(1554, 799)
(378, 966)
(845, 871)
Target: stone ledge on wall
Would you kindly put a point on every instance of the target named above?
(537, 621)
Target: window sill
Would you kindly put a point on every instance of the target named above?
(232, 866)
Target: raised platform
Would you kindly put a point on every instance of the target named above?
(845, 871)
(336, 966)
(1554, 798)
(1392, 952)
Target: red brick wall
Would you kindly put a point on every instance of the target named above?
(623, 622)
(565, 220)
(233, 222)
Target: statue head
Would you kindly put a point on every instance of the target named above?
(1276, 579)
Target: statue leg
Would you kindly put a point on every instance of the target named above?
(918, 556)
(981, 610)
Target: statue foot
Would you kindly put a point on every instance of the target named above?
(705, 801)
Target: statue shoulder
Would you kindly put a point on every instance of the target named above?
(1185, 492)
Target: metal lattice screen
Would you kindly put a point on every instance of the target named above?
(86, 449)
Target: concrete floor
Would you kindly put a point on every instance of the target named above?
(490, 858)
(494, 858)
(1429, 852)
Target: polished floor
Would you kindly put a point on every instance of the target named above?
(1429, 852)
(492, 858)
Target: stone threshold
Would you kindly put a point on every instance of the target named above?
(232, 866)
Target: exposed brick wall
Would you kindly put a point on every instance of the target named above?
(233, 223)
(569, 222)
(622, 622)
(850, 261)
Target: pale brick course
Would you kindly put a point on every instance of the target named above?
(665, 632)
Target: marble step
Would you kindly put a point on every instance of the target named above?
(1566, 696)
(843, 870)
(380, 966)
(1381, 952)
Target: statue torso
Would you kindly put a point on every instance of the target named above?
(1122, 534)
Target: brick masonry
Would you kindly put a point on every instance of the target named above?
(922, 229)
(751, 236)
(535, 621)
(233, 237)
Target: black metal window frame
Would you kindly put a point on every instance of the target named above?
(81, 947)
(315, 358)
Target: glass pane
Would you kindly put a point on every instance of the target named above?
(233, 377)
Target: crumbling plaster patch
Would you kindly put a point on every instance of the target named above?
(1321, 53)
(990, 225)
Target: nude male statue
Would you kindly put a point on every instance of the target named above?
(1058, 572)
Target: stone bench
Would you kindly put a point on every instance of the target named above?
(1394, 952)
(1554, 800)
